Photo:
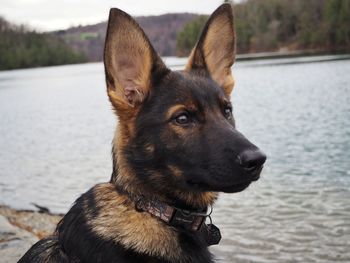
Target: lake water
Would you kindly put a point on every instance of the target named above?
(56, 128)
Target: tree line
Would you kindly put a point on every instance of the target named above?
(21, 47)
(273, 25)
(261, 25)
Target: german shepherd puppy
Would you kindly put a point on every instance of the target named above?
(174, 149)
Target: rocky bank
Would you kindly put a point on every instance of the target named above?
(20, 229)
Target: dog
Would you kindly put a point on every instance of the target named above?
(174, 150)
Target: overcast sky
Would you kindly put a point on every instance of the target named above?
(59, 14)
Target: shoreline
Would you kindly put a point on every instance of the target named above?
(288, 54)
(258, 56)
(20, 229)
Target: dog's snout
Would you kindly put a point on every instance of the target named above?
(251, 160)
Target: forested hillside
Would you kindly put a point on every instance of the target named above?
(298, 24)
(282, 25)
(23, 48)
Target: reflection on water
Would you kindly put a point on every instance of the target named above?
(56, 127)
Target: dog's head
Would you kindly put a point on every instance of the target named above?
(176, 134)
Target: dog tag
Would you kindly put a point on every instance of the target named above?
(213, 235)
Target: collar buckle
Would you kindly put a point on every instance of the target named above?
(189, 220)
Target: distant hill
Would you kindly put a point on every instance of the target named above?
(162, 31)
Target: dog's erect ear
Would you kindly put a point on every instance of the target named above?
(215, 50)
(130, 61)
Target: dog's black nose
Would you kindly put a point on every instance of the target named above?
(251, 160)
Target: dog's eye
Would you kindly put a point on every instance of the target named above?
(228, 112)
(182, 119)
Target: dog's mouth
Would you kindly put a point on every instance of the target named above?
(234, 188)
(227, 188)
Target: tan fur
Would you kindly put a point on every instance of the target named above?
(172, 110)
(218, 52)
(217, 49)
(119, 221)
(175, 170)
(123, 110)
(180, 133)
(200, 199)
(128, 60)
(191, 58)
(126, 176)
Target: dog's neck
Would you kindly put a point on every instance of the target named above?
(190, 201)
(192, 221)
(187, 219)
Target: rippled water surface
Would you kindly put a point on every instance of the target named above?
(56, 127)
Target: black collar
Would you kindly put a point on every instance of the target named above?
(187, 219)
(191, 220)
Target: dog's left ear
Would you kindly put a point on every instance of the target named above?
(215, 50)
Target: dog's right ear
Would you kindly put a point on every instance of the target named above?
(215, 50)
(130, 63)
